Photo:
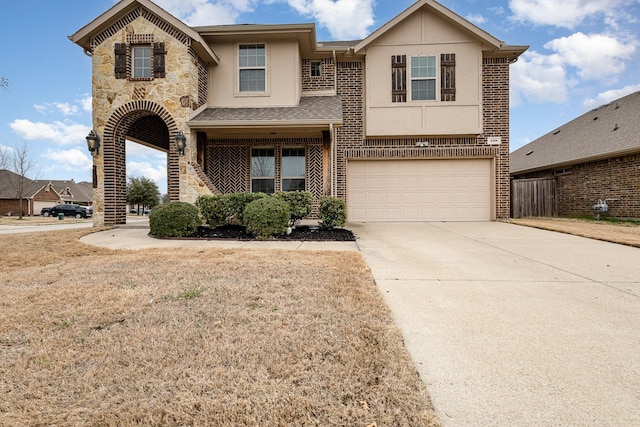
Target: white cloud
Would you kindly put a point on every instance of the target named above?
(538, 78)
(477, 19)
(608, 96)
(68, 160)
(66, 109)
(206, 12)
(86, 103)
(63, 133)
(345, 19)
(596, 56)
(566, 13)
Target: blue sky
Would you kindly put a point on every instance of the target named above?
(583, 53)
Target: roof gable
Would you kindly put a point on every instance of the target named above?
(487, 40)
(84, 37)
(611, 130)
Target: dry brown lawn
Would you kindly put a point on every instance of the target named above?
(623, 233)
(97, 337)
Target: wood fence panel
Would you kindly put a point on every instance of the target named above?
(533, 197)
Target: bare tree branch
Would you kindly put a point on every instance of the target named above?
(22, 165)
(4, 83)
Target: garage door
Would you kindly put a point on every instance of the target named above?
(419, 190)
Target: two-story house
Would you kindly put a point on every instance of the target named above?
(411, 123)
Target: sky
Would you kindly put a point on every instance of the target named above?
(582, 54)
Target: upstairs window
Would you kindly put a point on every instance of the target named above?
(316, 69)
(423, 78)
(252, 67)
(141, 60)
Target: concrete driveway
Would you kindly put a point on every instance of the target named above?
(514, 326)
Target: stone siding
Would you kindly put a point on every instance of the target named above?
(153, 110)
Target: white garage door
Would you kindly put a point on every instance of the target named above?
(419, 190)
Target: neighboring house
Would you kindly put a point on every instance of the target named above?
(593, 157)
(411, 123)
(38, 194)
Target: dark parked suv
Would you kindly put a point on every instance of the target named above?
(68, 210)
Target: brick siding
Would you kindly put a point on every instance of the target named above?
(581, 188)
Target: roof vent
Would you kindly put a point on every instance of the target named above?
(595, 118)
(557, 132)
(529, 153)
(617, 106)
(616, 127)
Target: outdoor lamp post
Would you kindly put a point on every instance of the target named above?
(93, 143)
(181, 142)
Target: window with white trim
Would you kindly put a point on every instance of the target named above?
(141, 62)
(263, 170)
(423, 78)
(252, 68)
(293, 169)
(316, 69)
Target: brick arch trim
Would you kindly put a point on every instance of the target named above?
(134, 110)
(114, 136)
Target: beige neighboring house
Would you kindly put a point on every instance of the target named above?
(38, 194)
(410, 123)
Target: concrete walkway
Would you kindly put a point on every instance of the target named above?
(514, 326)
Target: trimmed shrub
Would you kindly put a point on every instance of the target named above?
(266, 217)
(333, 212)
(174, 219)
(299, 204)
(237, 202)
(213, 209)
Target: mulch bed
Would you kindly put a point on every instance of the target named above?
(300, 232)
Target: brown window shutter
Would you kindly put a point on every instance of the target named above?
(448, 77)
(398, 78)
(120, 68)
(158, 60)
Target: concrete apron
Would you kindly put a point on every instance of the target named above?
(514, 326)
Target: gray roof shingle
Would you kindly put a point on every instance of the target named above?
(310, 109)
(610, 130)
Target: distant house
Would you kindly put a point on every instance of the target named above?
(593, 157)
(409, 124)
(38, 194)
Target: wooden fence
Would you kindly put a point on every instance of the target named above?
(533, 197)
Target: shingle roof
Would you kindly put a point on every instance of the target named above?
(82, 191)
(311, 109)
(610, 130)
(8, 181)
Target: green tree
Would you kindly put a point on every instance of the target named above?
(142, 192)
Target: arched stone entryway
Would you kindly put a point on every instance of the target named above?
(141, 121)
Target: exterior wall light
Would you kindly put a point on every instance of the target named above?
(181, 142)
(93, 143)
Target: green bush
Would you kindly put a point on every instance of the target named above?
(266, 217)
(333, 212)
(174, 219)
(225, 208)
(299, 204)
(237, 202)
(214, 209)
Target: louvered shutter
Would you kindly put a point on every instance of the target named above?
(158, 60)
(120, 62)
(448, 77)
(399, 78)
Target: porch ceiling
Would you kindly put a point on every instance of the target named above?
(312, 112)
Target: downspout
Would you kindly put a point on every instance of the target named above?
(331, 159)
(335, 72)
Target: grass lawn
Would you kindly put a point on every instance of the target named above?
(91, 336)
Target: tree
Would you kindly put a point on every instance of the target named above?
(21, 164)
(142, 191)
